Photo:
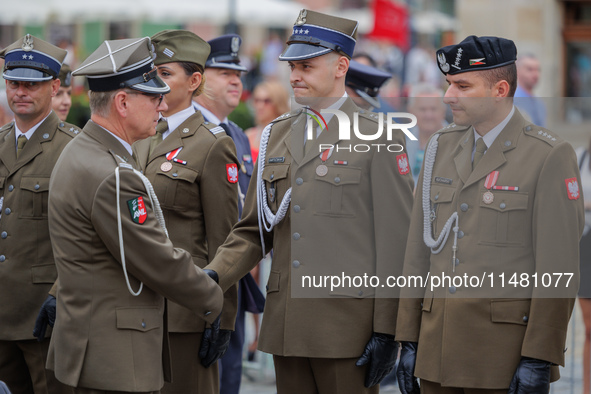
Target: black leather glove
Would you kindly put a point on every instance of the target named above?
(213, 275)
(380, 354)
(532, 376)
(407, 383)
(46, 316)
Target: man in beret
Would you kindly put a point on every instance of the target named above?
(223, 90)
(324, 209)
(29, 149)
(496, 184)
(62, 101)
(115, 262)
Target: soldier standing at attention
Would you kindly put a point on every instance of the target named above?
(29, 148)
(192, 165)
(222, 95)
(324, 211)
(115, 262)
(497, 185)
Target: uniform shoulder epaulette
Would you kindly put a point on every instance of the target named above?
(373, 116)
(217, 131)
(453, 127)
(68, 128)
(542, 134)
(6, 126)
(287, 115)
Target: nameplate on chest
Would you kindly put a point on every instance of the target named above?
(445, 181)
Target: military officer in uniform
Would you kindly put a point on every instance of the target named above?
(62, 101)
(492, 188)
(363, 84)
(195, 173)
(115, 262)
(222, 95)
(324, 210)
(29, 148)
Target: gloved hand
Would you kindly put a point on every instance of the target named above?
(46, 316)
(214, 343)
(407, 383)
(380, 354)
(213, 275)
(532, 376)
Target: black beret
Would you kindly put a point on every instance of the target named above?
(476, 53)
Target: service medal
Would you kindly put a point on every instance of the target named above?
(488, 197)
(166, 166)
(321, 170)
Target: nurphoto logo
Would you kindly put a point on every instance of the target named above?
(345, 129)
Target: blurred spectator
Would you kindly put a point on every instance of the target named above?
(421, 67)
(528, 74)
(6, 114)
(62, 101)
(584, 157)
(426, 103)
(269, 59)
(270, 99)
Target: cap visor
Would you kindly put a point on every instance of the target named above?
(302, 51)
(26, 74)
(154, 85)
(230, 66)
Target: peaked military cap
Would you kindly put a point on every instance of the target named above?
(315, 34)
(366, 81)
(32, 59)
(476, 53)
(179, 46)
(224, 52)
(65, 76)
(118, 64)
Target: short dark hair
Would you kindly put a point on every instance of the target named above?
(507, 73)
(191, 68)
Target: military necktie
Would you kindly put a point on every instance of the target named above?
(480, 149)
(161, 127)
(20, 144)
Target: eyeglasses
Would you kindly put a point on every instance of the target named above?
(265, 101)
(152, 96)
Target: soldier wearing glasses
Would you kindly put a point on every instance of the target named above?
(115, 262)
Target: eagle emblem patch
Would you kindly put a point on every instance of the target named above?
(232, 172)
(572, 188)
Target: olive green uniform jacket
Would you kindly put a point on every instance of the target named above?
(352, 221)
(27, 268)
(199, 203)
(104, 337)
(469, 338)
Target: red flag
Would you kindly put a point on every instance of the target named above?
(391, 23)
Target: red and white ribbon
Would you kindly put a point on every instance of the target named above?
(491, 180)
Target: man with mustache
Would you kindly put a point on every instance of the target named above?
(29, 149)
(324, 209)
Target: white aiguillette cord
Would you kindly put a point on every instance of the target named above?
(266, 217)
(436, 245)
(157, 211)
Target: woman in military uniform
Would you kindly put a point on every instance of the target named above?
(193, 167)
